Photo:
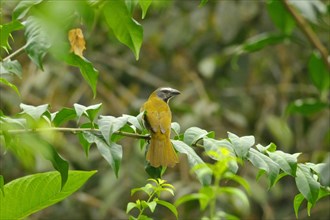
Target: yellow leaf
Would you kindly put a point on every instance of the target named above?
(77, 41)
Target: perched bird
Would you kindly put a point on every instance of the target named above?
(157, 120)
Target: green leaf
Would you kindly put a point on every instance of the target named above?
(12, 123)
(324, 174)
(130, 206)
(317, 167)
(298, 199)
(137, 121)
(148, 189)
(92, 111)
(241, 145)
(306, 106)
(125, 28)
(84, 143)
(38, 41)
(82, 140)
(37, 144)
(280, 16)
(306, 184)
(53, 28)
(64, 115)
(225, 215)
(152, 205)
(130, 5)
(86, 68)
(209, 194)
(287, 162)
(269, 148)
(58, 163)
(144, 4)
(11, 67)
(109, 124)
(169, 190)
(235, 192)
(193, 135)
(204, 174)
(202, 3)
(212, 145)
(12, 86)
(143, 217)
(168, 205)
(89, 111)
(115, 137)
(153, 172)
(262, 40)
(19, 148)
(80, 110)
(265, 164)
(280, 176)
(111, 152)
(262, 172)
(34, 111)
(238, 179)
(144, 204)
(32, 193)
(22, 8)
(323, 193)
(2, 183)
(309, 207)
(190, 197)
(318, 72)
(5, 32)
(176, 128)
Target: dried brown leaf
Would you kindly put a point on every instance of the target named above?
(77, 41)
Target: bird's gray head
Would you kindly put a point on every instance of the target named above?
(166, 93)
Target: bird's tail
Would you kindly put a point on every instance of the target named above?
(161, 153)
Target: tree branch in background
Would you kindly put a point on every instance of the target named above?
(307, 30)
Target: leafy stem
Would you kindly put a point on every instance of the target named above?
(144, 207)
(72, 130)
(153, 190)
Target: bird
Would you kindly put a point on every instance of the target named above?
(157, 119)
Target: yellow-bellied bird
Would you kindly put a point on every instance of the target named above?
(158, 119)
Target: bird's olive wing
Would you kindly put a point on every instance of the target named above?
(151, 121)
(165, 121)
(158, 121)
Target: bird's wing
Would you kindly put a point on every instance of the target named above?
(150, 117)
(157, 120)
(164, 121)
(152, 120)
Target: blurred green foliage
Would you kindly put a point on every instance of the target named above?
(242, 66)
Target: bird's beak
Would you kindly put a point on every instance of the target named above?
(175, 92)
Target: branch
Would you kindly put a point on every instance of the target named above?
(18, 51)
(133, 135)
(310, 34)
(72, 130)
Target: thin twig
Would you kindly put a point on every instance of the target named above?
(133, 135)
(18, 51)
(310, 34)
(72, 130)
